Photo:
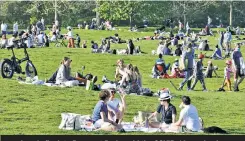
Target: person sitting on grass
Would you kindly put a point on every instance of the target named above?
(130, 47)
(53, 37)
(217, 53)
(4, 41)
(176, 73)
(160, 68)
(63, 73)
(166, 109)
(189, 120)
(100, 114)
(209, 70)
(178, 51)
(120, 69)
(166, 49)
(137, 76)
(116, 107)
(94, 47)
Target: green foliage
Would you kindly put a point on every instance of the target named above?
(33, 20)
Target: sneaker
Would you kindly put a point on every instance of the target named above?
(94, 79)
(205, 90)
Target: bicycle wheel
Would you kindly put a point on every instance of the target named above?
(30, 70)
(7, 70)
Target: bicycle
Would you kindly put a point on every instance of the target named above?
(10, 66)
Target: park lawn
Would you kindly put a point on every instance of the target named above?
(31, 110)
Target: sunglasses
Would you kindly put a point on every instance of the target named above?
(113, 92)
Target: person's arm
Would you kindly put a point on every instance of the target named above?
(181, 119)
(105, 119)
(174, 113)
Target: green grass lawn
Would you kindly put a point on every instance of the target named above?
(29, 109)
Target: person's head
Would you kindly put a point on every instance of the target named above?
(112, 92)
(185, 101)
(129, 68)
(116, 35)
(136, 70)
(206, 41)
(201, 56)
(53, 22)
(104, 95)
(164, 98)
(4, 36)
(210, 63)
(92, 42)
(217, 46)
(130, 41)
(120, 62)
(77, 35)
(228, 63)
(66, 61)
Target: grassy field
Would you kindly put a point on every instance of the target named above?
(31, 110)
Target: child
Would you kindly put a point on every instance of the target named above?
(198, 74)
(84, 44)
(78, 41)
(227, 73)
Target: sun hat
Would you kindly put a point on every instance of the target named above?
(200, 56)
(165, 96)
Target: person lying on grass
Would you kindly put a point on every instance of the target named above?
(166, 109)
(63, 73)
(100, 114)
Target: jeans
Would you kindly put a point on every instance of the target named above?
(188, 74)
(201, 79)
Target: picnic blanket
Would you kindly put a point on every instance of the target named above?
(36, 81)
(72, 121)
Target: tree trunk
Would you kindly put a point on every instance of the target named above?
(184, 16)
(231, 13)
(97, 14)
(55, 11)
(130, 20)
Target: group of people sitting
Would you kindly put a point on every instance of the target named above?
(108, 114)
(128, 78)
(105, 46)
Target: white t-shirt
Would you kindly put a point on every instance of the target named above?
(190, 118)
(160, 49)
(53, 38)
(15, 27)
(40, 38)
(70, 34)
(4, 27)
(114, 104)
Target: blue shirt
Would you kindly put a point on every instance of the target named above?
(99, 107)
(218, 52)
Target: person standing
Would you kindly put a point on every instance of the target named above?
(4, 28)
(238, 64)
(42, 21)
(70, 38)
(198, 73)
(15, 29)
(188, 61)
(227, 40)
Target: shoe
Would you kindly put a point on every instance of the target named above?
(121, 130)
(180, 88)
(205, 90)
(94, 79)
